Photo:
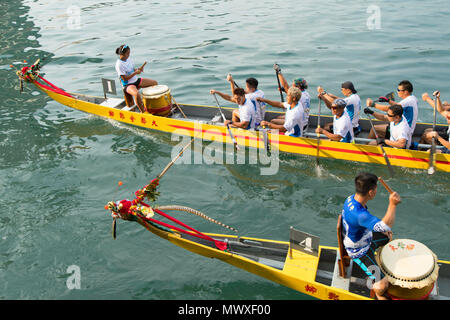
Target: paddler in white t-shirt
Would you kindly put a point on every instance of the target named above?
(443, 136)
(351, 98)
(409, 104)
(251, 92)
(128, 76)
(342, 125)
(400, 134)
(294, 117)
(245, 116)
(305, 100)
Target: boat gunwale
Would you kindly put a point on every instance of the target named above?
(405, 158)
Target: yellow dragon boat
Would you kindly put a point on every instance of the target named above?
(204, 122)
(301, 263)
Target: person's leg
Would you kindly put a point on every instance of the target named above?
(146, 82)
(381, 131)
(131, 89)
(277, 121)
(328, 126)
(368, 264)
(380, 288)
(235, 117)
(426, 137)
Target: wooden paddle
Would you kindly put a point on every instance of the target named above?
(173, 160)
(178, 106)
(385, 185)
(142, 67)
(431, 168)
(234, 82)
(228, 125)
(278, 80)
(388, 163)
(318, 134)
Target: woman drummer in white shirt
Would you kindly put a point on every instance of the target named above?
(128, 76)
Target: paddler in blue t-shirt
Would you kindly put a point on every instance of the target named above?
(359, 225)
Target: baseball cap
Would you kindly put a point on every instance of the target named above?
(340, 103)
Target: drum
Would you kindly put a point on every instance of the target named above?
(410, 267)
(157, 100)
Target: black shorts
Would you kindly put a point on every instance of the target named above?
(137, 83)
(443, 133)
(368, 260)
(387, 136)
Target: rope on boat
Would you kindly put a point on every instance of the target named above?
(197, 213)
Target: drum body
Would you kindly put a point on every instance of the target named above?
(157, 100)
(399, 293)
(410, 267)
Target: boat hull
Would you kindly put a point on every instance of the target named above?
(255, 139)
(313, 275)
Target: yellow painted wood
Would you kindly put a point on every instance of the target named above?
(305, 146)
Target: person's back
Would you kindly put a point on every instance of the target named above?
(358, 224)
(247, 112)
(410, 111)
(294, 122)
(260, 106)
(125, 68)
(409, 103)
(401, 130)
(306, 103)
(353, 107)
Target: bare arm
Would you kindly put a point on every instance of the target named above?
(283, 82)
(381, 107)
(325, 97)
(276, 104)
(232, 86)
(128, 77)
(241, 124)
(444, 142)
(439, 107)
(223, 95)
(280, 127)
(389, 217)
(380, 116)
(401, 143)
(331, 136)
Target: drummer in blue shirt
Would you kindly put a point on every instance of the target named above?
(359, 225)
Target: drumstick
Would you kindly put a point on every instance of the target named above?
(385, 185)
(143, 65)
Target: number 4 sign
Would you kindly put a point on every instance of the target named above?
(304, 242)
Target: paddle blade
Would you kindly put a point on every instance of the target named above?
(431, 168)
